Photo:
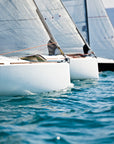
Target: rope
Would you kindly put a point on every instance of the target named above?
(27, 49)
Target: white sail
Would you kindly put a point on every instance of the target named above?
(68, 37)
(22, 33)
(101, 31)
(77, 10)
(21, 28)
(61, 25)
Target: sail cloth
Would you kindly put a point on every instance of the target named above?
(100, 31)
(77, 10)
(21, 28)
(61, 25)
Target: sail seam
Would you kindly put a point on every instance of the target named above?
(20, 19)
(98, 17)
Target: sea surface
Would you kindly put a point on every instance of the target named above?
(83, 114)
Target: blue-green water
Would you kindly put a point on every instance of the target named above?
(80, 115)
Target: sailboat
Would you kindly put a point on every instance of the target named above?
(93, 23)
(69, 39)
(23, 40)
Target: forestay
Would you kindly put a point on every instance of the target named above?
(61, 25)
(77, 10)
(21, 28)
(101, 30)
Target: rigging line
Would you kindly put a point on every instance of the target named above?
(84, 41)
(46, 27)
(27, 49)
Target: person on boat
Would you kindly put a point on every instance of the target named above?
(87, 51)
(52, 48)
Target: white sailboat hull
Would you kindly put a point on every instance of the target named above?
(83, 68)
(22, 79)
(104, 60)
(80, 68)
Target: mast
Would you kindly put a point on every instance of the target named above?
(46, 27)
(101, 32)
(61, 26)
(76, 27)
(87, 21)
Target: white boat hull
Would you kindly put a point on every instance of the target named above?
(22, 79)
(84, 68)
(80, 68)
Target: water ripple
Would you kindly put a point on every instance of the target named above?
(83, 114)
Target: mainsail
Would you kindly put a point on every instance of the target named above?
(100, 29)
(100, 32)
(77, 10)
(61, 25)
(21, 30)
